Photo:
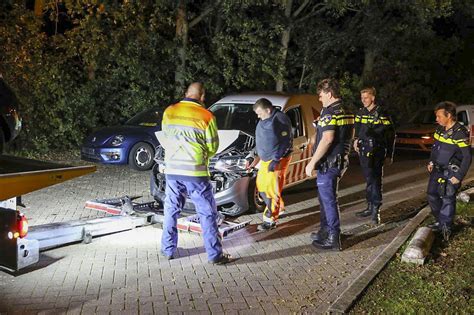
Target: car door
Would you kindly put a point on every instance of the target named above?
(463, 116)
(297, 165)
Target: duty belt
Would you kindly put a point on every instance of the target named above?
(337, 161)
(450, 167)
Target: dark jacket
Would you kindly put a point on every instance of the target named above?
(274, 137)
(377, 128)
(335, 117)
(452, 147)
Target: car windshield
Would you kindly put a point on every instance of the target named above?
(147, 118)
(235, 117)
(427, 117)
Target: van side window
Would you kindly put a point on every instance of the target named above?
(296, 122)
(462, 117)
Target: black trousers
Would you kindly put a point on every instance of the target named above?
(442, 200)
(372, 168)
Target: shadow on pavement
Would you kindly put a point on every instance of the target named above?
(44, 261)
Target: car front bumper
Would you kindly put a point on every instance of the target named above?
(232, 200)
(104, 155)
(414, 144)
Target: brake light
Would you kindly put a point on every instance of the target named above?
(22, 225)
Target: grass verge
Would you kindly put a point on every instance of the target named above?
(444, 285)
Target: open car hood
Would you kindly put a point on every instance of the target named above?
(228, 140)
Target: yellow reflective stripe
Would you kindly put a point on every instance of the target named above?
(462, 143)
(358, 118)
(372, 121)
(345, 120)
(337, 120)
(440, 138)
(322, 123)
(332, 122)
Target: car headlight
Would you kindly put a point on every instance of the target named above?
(117, 140)
(231, 164)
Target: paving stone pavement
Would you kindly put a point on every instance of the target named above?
(277, 272)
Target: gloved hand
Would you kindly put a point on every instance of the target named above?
(272, 165)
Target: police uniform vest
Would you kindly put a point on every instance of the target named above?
(451, 147)
(194, 131)
(335, 117)
(374, 131)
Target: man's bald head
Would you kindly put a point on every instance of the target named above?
(196, 90)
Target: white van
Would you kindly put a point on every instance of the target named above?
(235, 188)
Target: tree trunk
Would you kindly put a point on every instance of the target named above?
(182, 33)
(285, 40)
(368, 70)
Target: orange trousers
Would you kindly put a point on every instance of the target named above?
(270, 185)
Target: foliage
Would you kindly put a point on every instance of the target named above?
(443, 285)
(87, 64)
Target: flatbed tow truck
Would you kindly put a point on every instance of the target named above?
(20, 244)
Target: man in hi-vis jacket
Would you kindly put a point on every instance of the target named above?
(192, 130)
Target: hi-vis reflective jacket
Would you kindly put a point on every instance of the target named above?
(193, 130)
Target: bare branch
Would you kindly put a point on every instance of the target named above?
(302, 6)
(309, 15)
(208, 10)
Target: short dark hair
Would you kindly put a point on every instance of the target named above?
(263, 103)
(449, 108)
(329, 85)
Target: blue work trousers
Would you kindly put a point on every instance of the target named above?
(203, 198)
(372, 168)
(327, 183)
(442, 201)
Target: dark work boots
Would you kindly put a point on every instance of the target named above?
(365, 213)
(332, 241)
(319, 235)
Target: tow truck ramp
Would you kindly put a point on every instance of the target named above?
(20, 245)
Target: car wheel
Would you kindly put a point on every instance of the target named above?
(2, 140)
(256, 203)
(141, 156)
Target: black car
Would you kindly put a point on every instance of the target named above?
(10, 121)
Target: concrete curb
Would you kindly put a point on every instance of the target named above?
(343, 303)
(351, 293)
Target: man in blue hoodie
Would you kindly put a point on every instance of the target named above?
(274, 143)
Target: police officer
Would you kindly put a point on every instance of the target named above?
(374, 142)
(192, 130)
(274, 143)
(330, 157)
(449, 162)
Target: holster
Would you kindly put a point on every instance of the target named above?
(445, 187)
(337, 161)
